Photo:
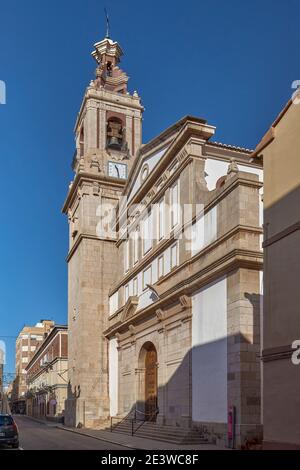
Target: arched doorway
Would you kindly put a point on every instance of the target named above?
(150, 382)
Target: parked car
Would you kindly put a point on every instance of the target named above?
(9, 433)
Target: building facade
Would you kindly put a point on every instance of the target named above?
(29, 340)
(279, 150)
(165, 268)
(47, 376)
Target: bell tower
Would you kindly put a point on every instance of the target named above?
(108, 134)
(109, 124)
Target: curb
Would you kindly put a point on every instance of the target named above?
(98, 438)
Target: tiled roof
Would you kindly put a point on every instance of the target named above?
(231, 147)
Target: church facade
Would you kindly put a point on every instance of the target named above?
(164, 269)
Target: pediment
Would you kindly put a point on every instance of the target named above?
(130, 308)
(170, 142)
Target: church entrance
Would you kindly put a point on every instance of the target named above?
(151, 383)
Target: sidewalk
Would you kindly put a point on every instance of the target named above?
(125, 440)
(134, 442)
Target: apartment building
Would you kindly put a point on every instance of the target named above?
(47, 376)
(28, 341)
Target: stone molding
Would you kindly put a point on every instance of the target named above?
(86, 236)
(124, 101)
(231, 261)
(106, 182)
(214, 197)
(160, 248)
(129, 308)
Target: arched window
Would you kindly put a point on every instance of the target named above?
(109, 69)
(115, 133)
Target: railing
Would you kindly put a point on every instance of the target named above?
(121, 420)
(151, 416)
(133, 420)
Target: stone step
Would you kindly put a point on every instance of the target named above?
(161, 433)
(154, 427)
(167, 437)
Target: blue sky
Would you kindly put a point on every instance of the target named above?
(231, 62)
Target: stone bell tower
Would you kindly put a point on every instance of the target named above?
(108, 136)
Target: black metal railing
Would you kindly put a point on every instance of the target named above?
(138, 417)
(121, 420)
(151, 415)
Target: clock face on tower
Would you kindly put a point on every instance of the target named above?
(117, 170)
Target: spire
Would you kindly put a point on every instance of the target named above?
(107, 54)
(107, 24)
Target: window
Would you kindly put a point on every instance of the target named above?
(114, 303)
(126, 292)
(32, 348)
(24, 360)
(135, 286)
(147, 233)
(174, 255)
(6, 421)
(115, 133)
(81, 141)
(145, 172)
(126, 255)
(24, 348)
(204, 231)
(136, 246)
(160, 266)
(161, 219)
(174, 204)
(147, 277)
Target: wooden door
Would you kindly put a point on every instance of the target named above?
(151, 385)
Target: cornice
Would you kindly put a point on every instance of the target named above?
(86, 236)
(152, 196)
(213, 152)
(127, 101)
(230, 185)
(43, 370)
(228, 263)
(213, 197)
(163, 245)
(189, 129)
(56, 331)
(160, 141)
(107, 181)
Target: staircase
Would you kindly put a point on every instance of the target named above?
(171, 434)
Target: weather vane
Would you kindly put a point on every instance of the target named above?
(107, 24)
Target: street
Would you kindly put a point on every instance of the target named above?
(39, 436)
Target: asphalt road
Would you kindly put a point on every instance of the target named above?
(38, 436)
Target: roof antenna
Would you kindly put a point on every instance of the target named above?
(107, 24)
